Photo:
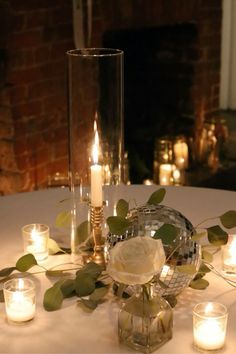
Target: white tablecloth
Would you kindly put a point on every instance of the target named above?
(70, 330)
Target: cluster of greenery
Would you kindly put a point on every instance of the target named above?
(90, 283)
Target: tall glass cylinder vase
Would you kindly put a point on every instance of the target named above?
(95, 100)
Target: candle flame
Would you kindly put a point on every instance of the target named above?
(232, 248)
(208, 308)
(21, 284)
(95, 148)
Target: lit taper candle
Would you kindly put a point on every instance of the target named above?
(96, 173)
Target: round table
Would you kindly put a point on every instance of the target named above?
(70, 330)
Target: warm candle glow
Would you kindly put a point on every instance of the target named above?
(96, 172)
(35, 238)
(19, 300)
(181, 154)
(229, 255)
(209, 325)
(165, 174)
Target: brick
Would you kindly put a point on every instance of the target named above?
(18, 22)
(60, 165)
(27, 109)
(42, 54)
(19, 93)
(6, 130)
(60, 48)
(25, 39)
(36, 18)
(61, 15)
(25, 76)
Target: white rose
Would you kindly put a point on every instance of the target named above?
(136, 261)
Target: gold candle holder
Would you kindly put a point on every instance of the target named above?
(96, 220)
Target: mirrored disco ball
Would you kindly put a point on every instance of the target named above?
(146, 220)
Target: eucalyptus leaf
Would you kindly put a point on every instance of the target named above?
(157, 197)
(204, 268)
(98, 294)
(199, 284)
(53, 298)
(82, 232)
(26, 262)
(207, 256)
(228, 219)
(87, 305)
(54, 273)
(122, 208)
(217, 236)
(6, 271)
(84, 284)
(117, 225)
(167, 233)
(68, 288)
(1, 296)
(198, 236)
(53, 247)
(63, 219)
(92, 269)
(187, 268)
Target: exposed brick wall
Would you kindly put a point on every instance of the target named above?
(40, 33)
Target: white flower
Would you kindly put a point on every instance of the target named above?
(136, 261)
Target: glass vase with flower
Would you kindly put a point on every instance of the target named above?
(145, 320)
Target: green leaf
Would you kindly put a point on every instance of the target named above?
(187, 268)
(54, 273)
(207, 256)
(53, 247)
(63, 219)
(122, 208)
(98, 294)
(199, 284)
(87, 305)
(117, 225)
(6, 271)
(167, 233)
(204, 268)
(1, 296)
(84, 284)
(217, 236)
(82, 232)
(53, 298)
(91, 268)
(26, 262)
(228, 219)
(157, 197)
(68, 287)
(198, 236)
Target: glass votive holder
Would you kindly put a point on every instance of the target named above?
(229, 255)
(209, 326)
(35, 238)
(20, 300)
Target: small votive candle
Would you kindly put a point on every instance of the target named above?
(209, 325)
(229, 255)
(19, 295)
(35, 238)
(165, 174)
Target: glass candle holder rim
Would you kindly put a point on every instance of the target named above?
(95, 52)
(42, 228)
(30, 286)
(209, 315)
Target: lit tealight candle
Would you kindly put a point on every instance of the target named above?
(35, 238)
(229, 255)
(19, 295)
(165, 174)
(209, 325)
(96, 173)
(181, 154)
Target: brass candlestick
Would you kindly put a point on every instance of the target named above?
(96, 219)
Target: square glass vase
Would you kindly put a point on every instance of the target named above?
(145, 323)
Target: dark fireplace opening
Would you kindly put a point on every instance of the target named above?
(159, 68)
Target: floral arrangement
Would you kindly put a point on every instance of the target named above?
(90, 282)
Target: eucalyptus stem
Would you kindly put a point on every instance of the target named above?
(205, 220)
